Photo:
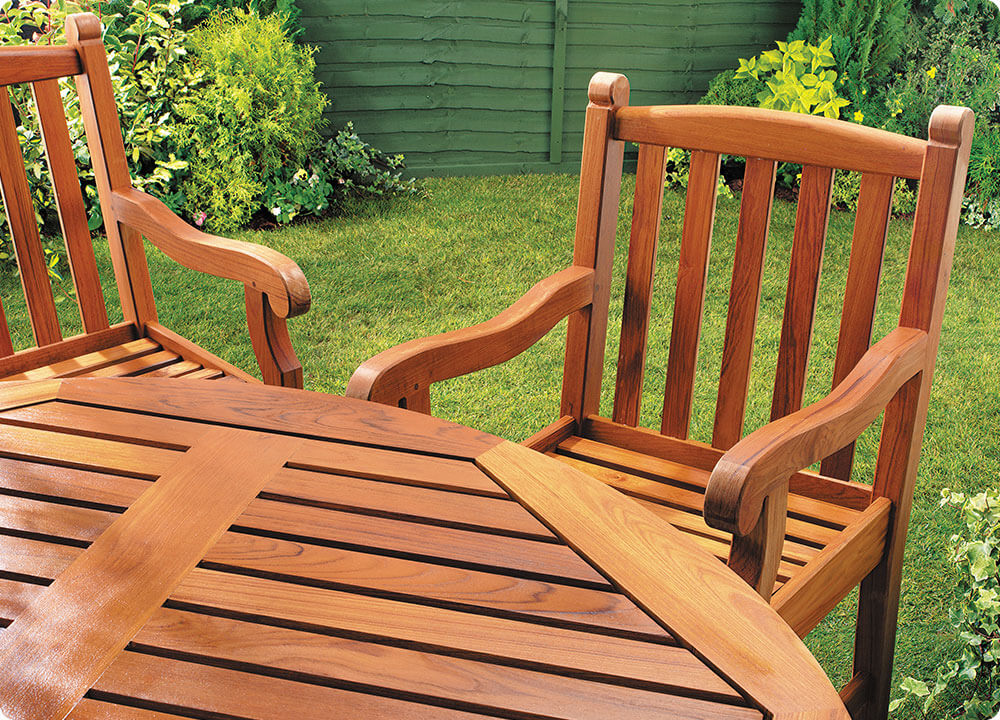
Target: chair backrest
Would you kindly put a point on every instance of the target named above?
(41, 68)
(765, 138)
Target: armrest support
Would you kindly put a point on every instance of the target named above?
(259, 268)
(761, 463)
(410, 368)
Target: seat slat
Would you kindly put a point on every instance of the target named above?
(69, 200)
(178, 369)
(24, 231)
(137, 366)
(90, 362)
(646, 215)
(807, 521)
(800, 504)
(811, 220)
(744, 299)
(871, 226)
(689, 300)
(848, 495)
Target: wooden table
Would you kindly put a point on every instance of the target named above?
(176, 548)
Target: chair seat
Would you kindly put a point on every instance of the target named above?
(141, 357)
(676, 493)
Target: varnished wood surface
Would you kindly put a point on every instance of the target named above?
(217, 549)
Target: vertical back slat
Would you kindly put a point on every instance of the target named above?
(107, 153)
(689, 301)
(646, 213)
(24, 230)
(69, 199)
(811, 218)
(871, 225)
(6, 347)
(744, 298)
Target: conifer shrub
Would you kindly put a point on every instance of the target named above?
(260, 112)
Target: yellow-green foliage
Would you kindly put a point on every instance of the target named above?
(260, 112)
(797, 77)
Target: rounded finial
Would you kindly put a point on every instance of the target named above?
(608, 89)
(82, 26)
(951, 125)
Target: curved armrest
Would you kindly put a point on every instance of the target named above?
(413, 366)
(258, 267)
(762, 462)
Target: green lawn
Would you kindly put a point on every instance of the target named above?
(382, 274)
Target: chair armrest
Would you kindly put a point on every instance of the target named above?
(412, 367)
(762, 462)
(259, 268)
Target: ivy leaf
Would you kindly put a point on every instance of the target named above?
(912, 686)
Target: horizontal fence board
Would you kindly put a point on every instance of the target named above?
(465, 86)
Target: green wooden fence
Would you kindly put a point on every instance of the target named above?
(499, 86)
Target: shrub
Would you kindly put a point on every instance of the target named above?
(976, 617)
(346, 165)
(259, 112)
(867, 39)
(726, 89)
(796, 77)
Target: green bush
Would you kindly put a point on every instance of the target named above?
(867, 39)
(260, 112)
(726, 89)
(975, 675)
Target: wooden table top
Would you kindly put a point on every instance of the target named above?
(176, 548)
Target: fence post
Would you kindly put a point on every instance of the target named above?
(561, 16)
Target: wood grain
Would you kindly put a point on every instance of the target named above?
(809, 238)
(651, 557)
(284, 410)
(775, 135)
(24, 231)
(744, 301)
(689, 299)
(871, 226)
(646, 213)
(20, 64)
(69, 201)
(414, 366)
(596, 221)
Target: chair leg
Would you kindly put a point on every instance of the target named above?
(875, 639)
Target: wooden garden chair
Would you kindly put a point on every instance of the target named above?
(803, 539)
(275, 287)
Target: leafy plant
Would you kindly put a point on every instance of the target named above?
(259, 112)
(867, 39)
(303, 193)
(976, 617)
(356, 166)
(847, 185)
(727, 89)
(797, 77)
(678, 170)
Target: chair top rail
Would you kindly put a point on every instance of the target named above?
(773, 135)
(31, 64)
